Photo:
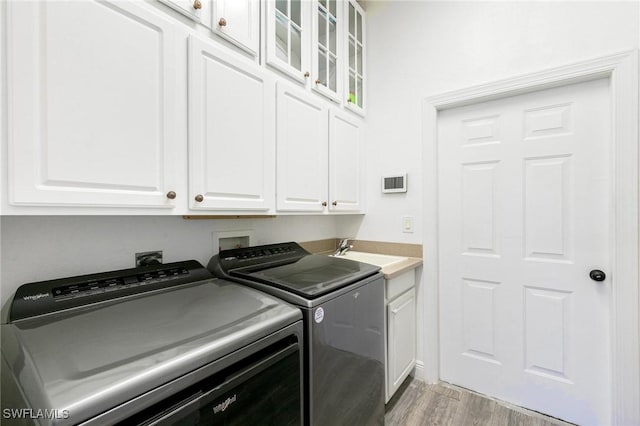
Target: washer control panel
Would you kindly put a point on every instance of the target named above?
(260, 255)
(44, 297)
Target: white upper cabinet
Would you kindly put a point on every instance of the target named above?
(116, 107)
(322, 40)
(239, 22)
(345, 163)
(327, 48)
(91, 105)
(231, 131)
(302, 154)
(288, 33)
(355, 48)
(196, 10)
(319, 155)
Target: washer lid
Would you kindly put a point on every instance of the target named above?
(90, 360)
(310, 276)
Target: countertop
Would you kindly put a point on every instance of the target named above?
(400, 268)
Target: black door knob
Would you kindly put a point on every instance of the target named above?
(597, 275)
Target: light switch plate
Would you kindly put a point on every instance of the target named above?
(407, 224)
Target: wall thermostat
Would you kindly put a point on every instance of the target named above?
(394, 183)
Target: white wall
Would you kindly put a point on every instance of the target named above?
(36, 248)
(419, 48)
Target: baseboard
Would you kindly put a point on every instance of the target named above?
(418, 371)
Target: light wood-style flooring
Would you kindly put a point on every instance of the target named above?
(417, 403)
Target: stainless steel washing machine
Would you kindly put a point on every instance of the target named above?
(343, 307)
(164, 344)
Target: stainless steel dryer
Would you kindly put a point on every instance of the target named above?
(164, 344)
(343, 306)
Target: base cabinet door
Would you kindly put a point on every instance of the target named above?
(302, 151)
(401, 344)
(231, 131)
(345, 163)
(92, 105)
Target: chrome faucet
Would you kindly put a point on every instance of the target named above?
(343, 247)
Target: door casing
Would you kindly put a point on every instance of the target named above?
(622, 71)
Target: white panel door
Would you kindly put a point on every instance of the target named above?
(345, 163)
(231, 131)
(524, 213)
(92, 106)
(239, 22)
(302, 151)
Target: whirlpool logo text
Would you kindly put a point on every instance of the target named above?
(36, 296)
(224, 405)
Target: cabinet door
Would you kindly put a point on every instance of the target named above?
(193, 9)
(345, 163)
(302, 152)
(231, 131)
(401, 344)
(288, 37)
(355, 48)
(326, 56)
(91, 106)
(239, 22)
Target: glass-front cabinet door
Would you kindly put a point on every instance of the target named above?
(355, 51)
(327, 49)
(288, 37)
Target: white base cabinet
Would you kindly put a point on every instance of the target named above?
(401, 330)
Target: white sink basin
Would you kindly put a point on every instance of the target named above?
(381, 260)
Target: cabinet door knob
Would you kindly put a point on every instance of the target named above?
(306, 74)
(199, 198)
(197, 5)
(335, 203)
(318, 81)
(324, 204)
(171, 195)
(222, 22)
